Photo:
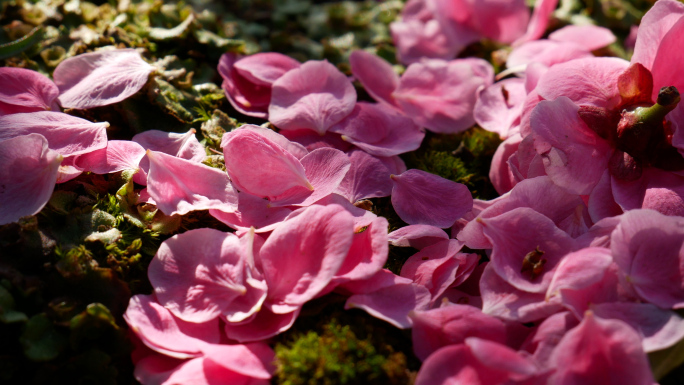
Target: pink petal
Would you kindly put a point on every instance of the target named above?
(277, 171)
(394, 164)
(649, 248)
(417, 236)
(164, 333)
(382, 279)
(601, 201)
(498, 356)
(500, 173)
(28, 172)
(392, 303)
(295, 148)
(659, 328)
(545, 52)
(245, 96)
(538, 22)
(548, 334)
(252, 211)
(499, 106)
(419, 197)
(265, 68)
(119, 155)
(24, 90)
(311, 140)
(416, 39)
(375, 74)
(247, 81)
(451, 325)
(180, 186)
(502, 300)
(440, 266)
(501, 21)
(160, 370)
(265, 325)
(655, 24)
(318, 240)
(519, 232)
(580, 270)
(68, 169)
(367, 178)
(591, 81)
(367, 254)
(100, 78)
(184, 146)
(441, 95)
(455, 364)
(574, 156)
(379, 130)
(315, 96)
(253, 361)
(66, 134)
(589, 37)
(325, 168)
(664, 73)
(600, 352)
(539, 194)
(198, 274)
(658, 190)
(599, 234)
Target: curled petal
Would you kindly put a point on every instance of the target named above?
(28, 172)
(179, 186)
(24, 90)
(100, 78)
(66, 134)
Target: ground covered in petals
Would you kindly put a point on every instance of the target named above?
(304, 192)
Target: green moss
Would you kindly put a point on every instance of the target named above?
(342, 347)
(463, 158)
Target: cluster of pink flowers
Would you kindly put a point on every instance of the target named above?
(585, 246)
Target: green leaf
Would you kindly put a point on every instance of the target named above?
(664, 361)
(92, 324)
(7, 312)
(20, 45)
(40, 340)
